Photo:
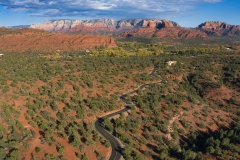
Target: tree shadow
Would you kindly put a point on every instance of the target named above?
(152, 147)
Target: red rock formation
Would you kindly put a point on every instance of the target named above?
(165, 24)
(83, 28)
(37, 40)
(163, 29)
(219, 28)
(151, 24)
(214, 25)
(101, 25)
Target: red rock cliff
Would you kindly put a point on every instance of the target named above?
(219, 28)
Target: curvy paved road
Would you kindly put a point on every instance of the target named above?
(115, 144)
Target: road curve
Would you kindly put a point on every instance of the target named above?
(115, 144)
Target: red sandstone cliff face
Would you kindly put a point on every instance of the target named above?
(219, 29)
(36, 40)
(166, 24)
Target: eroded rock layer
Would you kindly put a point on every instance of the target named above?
(101, 25)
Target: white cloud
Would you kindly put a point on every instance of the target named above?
(102, 8)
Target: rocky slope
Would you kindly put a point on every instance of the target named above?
(100, 25)
(37, 40)
(219, 28)
(165, 30)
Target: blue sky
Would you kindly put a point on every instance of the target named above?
(188, 13)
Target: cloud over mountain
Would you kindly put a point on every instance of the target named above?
(102, 8)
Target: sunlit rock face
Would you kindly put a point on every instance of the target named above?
(98, 25)
(219, 28)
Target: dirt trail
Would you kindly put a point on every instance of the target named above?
(170, 130)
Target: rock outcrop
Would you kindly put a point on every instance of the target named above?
(138, 27)
(37, 40)
(101, 25)
(127, 27)
(219, 28)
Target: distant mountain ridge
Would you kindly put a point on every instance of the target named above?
(139, 27)
(18, 27)
(107, 25)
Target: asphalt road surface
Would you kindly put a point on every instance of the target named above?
(115, 144)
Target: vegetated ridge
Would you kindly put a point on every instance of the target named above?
(38, 40)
